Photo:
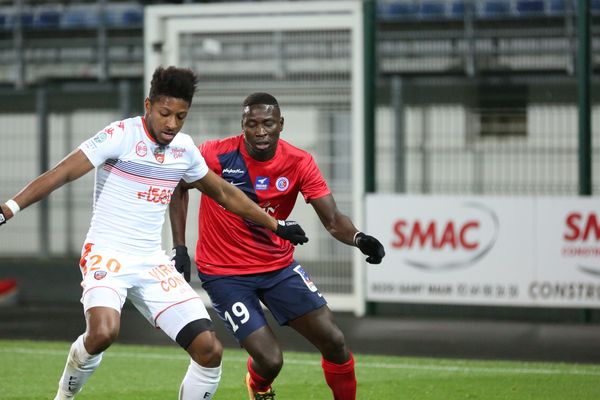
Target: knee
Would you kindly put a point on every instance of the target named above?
(269, 361)
(335, 346)
(206, 350)
(100, 338)
(338, 341)
(102, 328)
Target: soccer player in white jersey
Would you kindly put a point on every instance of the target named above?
(138, 163)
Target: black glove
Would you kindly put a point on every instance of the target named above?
(370, 247)
(182, 261)
(290, 230)
(2, 217)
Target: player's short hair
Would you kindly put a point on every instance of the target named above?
(260, 98)
(173, 82)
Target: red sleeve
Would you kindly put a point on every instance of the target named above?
(208, 151)
(313, 183)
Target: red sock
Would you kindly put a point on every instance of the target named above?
(257, 382)
(340, 378)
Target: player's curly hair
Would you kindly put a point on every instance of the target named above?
(173, 82)
(260, 98)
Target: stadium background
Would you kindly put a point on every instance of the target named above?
(471, 97)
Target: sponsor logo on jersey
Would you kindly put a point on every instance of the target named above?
(269, 209)
(282, 183)
(169, 278)
(159, 154)
(261, 183)
(177, 152)
(141, 149)
(230, 171)
(99, 275)
(156, 195)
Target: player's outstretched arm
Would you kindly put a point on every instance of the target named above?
(70, 168)
(234, 200)
(340, 226)
(178, 209)
(178, 215)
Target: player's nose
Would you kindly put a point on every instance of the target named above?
(171, 123)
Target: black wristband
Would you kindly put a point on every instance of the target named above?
(180, 250)
(2, 217)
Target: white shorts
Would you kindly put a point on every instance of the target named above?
(151, 283)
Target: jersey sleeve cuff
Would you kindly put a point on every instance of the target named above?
(95, 160)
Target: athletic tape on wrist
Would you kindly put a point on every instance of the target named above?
(13, 206)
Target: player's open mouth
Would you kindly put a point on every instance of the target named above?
(262, 145)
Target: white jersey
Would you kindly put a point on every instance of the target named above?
(135, 178)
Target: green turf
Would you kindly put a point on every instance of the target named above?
(30, 370)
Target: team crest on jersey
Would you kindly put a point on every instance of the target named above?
(141, 149)
(282, 183)
(99, 275)
(159, 154)
(261, 183)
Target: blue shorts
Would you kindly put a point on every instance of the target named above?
(288, 293)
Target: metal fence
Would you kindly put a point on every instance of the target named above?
(444, 140)
(482, 99)
(40, 127)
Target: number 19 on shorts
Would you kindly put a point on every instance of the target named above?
(240, 311)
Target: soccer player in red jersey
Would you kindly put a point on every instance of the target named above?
(241, 264)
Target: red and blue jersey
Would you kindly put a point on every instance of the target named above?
(231, 245)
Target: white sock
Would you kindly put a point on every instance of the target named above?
(80, 366)
(199, 383)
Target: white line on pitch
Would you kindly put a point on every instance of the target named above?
(423, 367)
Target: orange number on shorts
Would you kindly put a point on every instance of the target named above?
(95, 259)
(87, 250)
(113, 265)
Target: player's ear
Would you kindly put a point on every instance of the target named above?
(281, 123)
(147, 105)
